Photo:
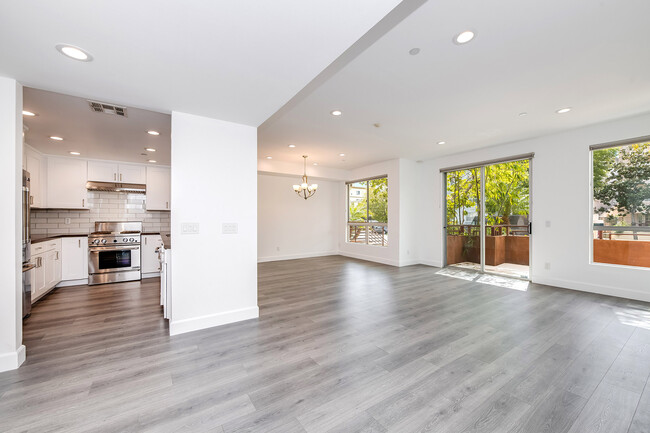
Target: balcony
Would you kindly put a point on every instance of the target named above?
(622, 245)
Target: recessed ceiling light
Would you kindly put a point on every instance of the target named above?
(336, 113)
(74, 52)
(74, 153)
(269, 157)
(414, 51)
(292, 145)
(464, 37)
(315, 163)
(563, 110)
(442, 142)
(28, 113)
(152, 160)
(54, 137)
(522, 114)
(153, 132)
(341, 154)
(150, 149)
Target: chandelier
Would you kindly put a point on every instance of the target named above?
(305, 190)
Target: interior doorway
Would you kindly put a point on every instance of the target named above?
(487, 217)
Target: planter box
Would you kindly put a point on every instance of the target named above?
(629, 253)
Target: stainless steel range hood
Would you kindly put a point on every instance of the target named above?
(134, 188)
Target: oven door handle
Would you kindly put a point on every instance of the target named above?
(114, 249)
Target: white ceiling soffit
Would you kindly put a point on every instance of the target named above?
(237, 60)
(532, 57)
(94, 135)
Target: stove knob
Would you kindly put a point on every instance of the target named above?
(96, 241)
(131, 240)
(125, 240)
(103, 241)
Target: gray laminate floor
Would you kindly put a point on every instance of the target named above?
(342, 346)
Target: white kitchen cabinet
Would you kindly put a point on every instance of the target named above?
(66, 183)
(74, 258)
(132, 173)
(35, 165)
(103, 171)
(46, 257)
(158, 188)
(149, 255)
(100, 171)
(38, 276)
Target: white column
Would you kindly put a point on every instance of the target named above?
(214, 182)
(12, 351)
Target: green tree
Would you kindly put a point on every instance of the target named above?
(507, 191)
(626, 187)
(378, 199)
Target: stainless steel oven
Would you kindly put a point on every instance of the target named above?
(114, 252)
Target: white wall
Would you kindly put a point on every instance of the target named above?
(214, 181)
(291, 227)
(411, 221)
(12, 352)
(561, 192)
(389, 255)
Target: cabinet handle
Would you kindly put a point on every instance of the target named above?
(120, 177)
(114, 176)
(83, 202)
(145, 241)
(79, 240)
(31, 199)
(57, 255)
(167, 204)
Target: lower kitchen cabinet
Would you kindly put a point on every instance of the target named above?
(74, 252)
(47, 271)
(149, 255)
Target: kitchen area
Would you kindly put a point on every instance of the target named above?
(96, 196)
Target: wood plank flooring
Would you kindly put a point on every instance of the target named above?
(341, 346)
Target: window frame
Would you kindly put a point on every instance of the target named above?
(592, 227)
(367, 223)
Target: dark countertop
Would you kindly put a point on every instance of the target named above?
(41, 238)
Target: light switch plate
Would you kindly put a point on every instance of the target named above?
(229, 228)
(189, 228)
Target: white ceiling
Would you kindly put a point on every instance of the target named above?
(235, 60)
(94, 135)
(533, 57)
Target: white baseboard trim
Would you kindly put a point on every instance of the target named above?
(151, 275)
(295, 256)
(433, 263)
(408, 263)
(12, 360)
(369, 258)
(593, 288)
(196, 323)
(73, 283)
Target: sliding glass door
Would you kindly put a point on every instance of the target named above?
(487, 218)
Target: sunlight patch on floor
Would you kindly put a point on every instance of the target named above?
(493, 280)
(633, 317)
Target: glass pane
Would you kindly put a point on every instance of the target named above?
(507, 200)
(357, 234)
(378, 235)
(378, 200)
(463, 227)
(357, 202)
(621, 219)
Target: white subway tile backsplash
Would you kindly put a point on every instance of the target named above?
(103, 206)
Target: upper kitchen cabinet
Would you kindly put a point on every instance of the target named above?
(35, 164)
(101, 171)
(66, 183)
(158, 188)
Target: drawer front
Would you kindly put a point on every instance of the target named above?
(42, 247)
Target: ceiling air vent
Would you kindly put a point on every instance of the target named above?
(101, 107)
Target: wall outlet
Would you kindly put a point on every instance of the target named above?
(229, 228)
(277, 248)
(547, 266)
(547, 224)
(189, 228)
(67, 220)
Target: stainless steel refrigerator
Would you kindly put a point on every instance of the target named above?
(27, 249)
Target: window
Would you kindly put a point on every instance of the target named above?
(368, 212)
(621, 204)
